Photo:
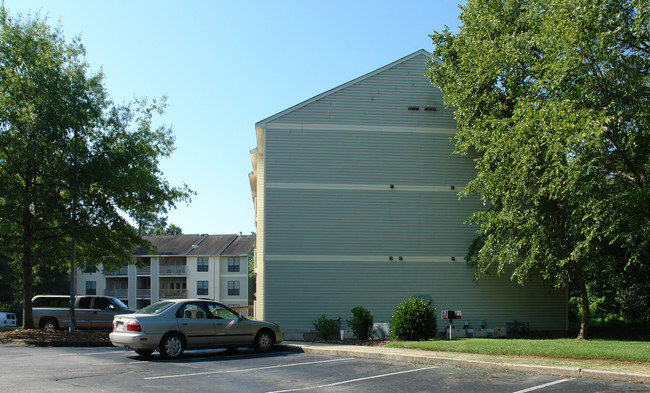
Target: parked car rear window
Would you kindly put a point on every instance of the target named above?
(155, 308)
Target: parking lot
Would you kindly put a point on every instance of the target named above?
(52, 369)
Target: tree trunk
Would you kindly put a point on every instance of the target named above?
(584, 324)
(27, 265)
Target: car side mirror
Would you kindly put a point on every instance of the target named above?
(111, 307)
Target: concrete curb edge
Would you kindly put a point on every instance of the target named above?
(423, 357)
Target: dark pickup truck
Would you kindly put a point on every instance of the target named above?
(52, 312)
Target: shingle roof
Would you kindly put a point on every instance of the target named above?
(198, 245)
(213, 245)
(242, 245)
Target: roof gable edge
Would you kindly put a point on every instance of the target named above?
(263, 123)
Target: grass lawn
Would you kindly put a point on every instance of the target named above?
(636, 351)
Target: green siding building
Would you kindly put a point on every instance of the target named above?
(356, 204)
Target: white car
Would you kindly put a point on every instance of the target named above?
(7, 319)
(172, 326)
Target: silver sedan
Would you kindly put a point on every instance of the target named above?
(172, 326)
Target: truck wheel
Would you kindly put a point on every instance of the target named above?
(49, 324)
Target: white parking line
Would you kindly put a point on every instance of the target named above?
(249, 369)
(353, 380)
(544, 385)
(91, 353)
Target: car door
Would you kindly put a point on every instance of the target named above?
(83, 313)
(194, 323)
(103, 311)
(229, 329)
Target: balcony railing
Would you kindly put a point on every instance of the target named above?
(144, 271)
(143, 293)
(122, 271)
(120, 293)
(246, 311)
(173, 293)
(172, 270)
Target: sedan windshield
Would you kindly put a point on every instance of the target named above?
(155, 308)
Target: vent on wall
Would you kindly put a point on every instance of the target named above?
(429, 108)
(414, 108)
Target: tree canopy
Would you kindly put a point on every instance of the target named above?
(552, 96)
(73, 165)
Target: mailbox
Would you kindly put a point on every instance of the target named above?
(449, 314)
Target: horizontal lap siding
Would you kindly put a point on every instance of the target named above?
(331, 220)
(334, 287)
(382, 99)
(367, 222)
(365, 157)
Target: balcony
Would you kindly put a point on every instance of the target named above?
(144, 271)
(246, 311)
(172, 270)
(122, 271)
(120, 293)
(173, 293)
(143, 293)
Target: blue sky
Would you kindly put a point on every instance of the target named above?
(226, 65)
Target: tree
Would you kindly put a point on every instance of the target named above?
(73, 166)
(157, 226)
(552, 98)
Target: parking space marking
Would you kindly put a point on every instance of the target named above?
(353, 380)
(544, 385)
(112, 351)
(249, 369)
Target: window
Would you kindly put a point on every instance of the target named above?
(102, 303)
(220, 312)
(85, 302)
(233, 264)
(233, 288)
(191, 311)
(91, 287)
(202, 264)
(201, 287)
(90, 268)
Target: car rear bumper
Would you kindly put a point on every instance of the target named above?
(136, 341)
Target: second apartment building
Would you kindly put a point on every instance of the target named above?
(181, 266)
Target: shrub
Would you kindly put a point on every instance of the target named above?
(413, 320)
(361, 323)
(326, 328)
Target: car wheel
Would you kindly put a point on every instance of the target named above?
(49, 325)
(263, 341)
(171, 346)
(144, 353)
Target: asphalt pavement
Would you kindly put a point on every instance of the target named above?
(583, 368)
(572, 368)
(27, 368)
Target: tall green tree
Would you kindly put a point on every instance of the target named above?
(552, 96)
(72, 164)
(157, 226)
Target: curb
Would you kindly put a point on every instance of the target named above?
(55, 343)
(423, 357)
